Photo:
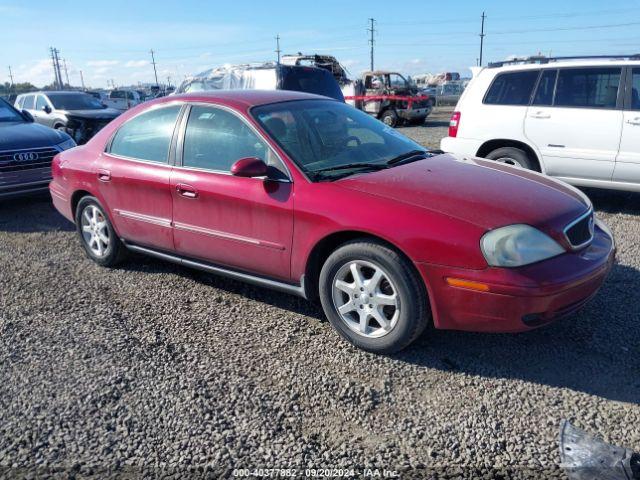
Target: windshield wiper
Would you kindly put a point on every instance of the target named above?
(349, 166)
(411, 155)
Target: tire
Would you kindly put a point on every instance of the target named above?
(389, 118)
(89, 227)
(511, 156)
(398, 295)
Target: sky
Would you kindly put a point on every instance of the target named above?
(111, 41)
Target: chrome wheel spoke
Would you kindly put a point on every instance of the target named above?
(348, 288)
(87, 228)
(364, 321)
(382, 299)
(357, 274)
(347, 307)
(381, 319)
(374, 281)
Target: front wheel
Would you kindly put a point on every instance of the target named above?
(373, 297)
(389, 118)
(96, 233)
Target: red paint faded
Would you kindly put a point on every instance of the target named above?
(434, 211)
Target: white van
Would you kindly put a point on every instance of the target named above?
(577, 119)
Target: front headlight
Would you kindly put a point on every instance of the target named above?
(67, 144)
(517, 245)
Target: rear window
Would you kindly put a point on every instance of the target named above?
(544, 92)
(29, 102)
(588, 87)
(513, 88)
(310, 80)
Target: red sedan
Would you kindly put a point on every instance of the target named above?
(310, 196)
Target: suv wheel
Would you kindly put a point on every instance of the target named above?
(97, 234)
(511, 156)
(372, 297)
(389, 118)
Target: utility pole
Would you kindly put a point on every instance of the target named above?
(82, 80)
(66, 72)
(155, 72)
(371, 30)
(482, 37)
(55, 69)
(11, 77)
(278, 47)
(168, 80)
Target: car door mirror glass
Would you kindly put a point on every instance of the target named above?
(249, 167)
(46, 109)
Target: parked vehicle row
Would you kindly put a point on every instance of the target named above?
(574, 119)
(26, 152)
(387, 235)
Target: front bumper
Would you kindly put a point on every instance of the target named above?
(523, 298)
(466, 147)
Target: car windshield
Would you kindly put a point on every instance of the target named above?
(8, 113)
(329, 139)
(75, 101)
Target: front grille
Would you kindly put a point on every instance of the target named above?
(579, 233)
(32, 158)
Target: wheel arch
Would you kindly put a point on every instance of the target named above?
(491, 145)
(77, 195)
(328, 244)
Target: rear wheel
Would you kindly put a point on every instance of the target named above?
(96, 233)
(511, 156)
(373, 297)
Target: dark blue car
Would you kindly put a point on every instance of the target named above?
(26, 151)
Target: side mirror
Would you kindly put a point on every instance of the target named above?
(27, 116)
(249, 167)
(46, 109)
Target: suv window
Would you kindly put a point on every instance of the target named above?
(544, 92)
(635, 89)
(215, 139)
(19, 103)
(117, 94)
(28, 102)
(595, 87)
(147, 136)
(513, 88)
(41, 103)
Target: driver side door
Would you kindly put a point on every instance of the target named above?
(237, 222)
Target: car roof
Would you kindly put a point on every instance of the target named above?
(613, 62)
(60, 92)
(243, 98)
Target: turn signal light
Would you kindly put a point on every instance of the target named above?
(468, 284)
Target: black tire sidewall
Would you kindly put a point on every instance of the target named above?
(392, 115)
(413, 301)
(115, 248)
(511, 152)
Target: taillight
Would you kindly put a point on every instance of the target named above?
(454, 123)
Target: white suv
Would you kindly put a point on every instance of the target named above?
(577, 119)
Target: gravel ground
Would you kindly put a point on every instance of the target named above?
(431, 132)
(152, 370)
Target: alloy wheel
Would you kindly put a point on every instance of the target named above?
(365, 298)
(95, 231)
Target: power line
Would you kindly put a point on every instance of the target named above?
(567, 29)
(372, 30)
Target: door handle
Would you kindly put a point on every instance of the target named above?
(635, 121)
(104, 175)
(540, 115)
(186, 191)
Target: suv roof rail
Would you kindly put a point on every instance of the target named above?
(542, 59)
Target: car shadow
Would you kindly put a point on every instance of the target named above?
(614, 201)
(596, 350)
(31, 214)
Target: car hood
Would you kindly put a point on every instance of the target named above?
(17, 136)
(484, 193)
(103, 114)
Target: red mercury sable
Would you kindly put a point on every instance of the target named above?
(310, 196)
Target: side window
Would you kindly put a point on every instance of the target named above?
(544, 92)
(635, 89)
(28, 102)
(19, 103)
(512, 88)
(147, 136)
(588, 87)
(215, 139)
(41, 103)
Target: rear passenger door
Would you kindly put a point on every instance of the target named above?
(627, 167)
(575, 121)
